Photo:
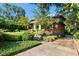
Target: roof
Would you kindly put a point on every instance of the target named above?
(56, 18)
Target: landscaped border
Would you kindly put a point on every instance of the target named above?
(17, 50)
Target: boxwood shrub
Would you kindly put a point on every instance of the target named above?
(27, 36)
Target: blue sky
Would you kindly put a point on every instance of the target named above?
(30, 7)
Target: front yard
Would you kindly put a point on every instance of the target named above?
(14, 42)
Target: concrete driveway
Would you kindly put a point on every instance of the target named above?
(57, 48)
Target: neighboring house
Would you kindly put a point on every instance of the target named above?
(56, 28)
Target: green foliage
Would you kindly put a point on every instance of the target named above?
(8, 36)
(23, 21)
(10, 25)
(1, 37)
(37, 32)
(11, 11)
(45, 21)
(76, 35)
(18, 36)
(27, 36)
(40, 15)
(71, 13)
(43, 9)
(50, 38)
(10, 15)
(13, 47)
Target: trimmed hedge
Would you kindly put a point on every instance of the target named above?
(12, 36)
(17, 36)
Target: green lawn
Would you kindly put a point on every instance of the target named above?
(13, 47)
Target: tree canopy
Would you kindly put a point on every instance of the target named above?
(10, 11)
(71, 13)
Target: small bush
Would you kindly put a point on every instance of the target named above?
(12, 37)
(76, 35)
(27, 36)
(50, 38)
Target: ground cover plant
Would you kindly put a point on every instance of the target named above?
(50, 38)
(12, 47)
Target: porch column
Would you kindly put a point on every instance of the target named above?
(34, 27)
(39, 27)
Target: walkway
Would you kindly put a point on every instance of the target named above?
(57, 48)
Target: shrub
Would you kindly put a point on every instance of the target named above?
(27, 36)
(1, 37)
(8, 30)
(11, 37)
(17, 30)
(50, 38)
(39, 32)
(76, 35)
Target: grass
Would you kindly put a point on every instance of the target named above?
(13, 47)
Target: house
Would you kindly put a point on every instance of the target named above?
(57, 27)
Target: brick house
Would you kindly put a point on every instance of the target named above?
(56, 28)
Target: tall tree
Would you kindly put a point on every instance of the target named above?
(43, 9)
(10, 11)
(41, 14)
(71, 12)
(23, 22)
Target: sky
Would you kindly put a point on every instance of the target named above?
(30, 7)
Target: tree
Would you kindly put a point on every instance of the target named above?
(44, 21)
(70, 12)
(10, 11)
(23, 21)
(43, 9)
(42, 13)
